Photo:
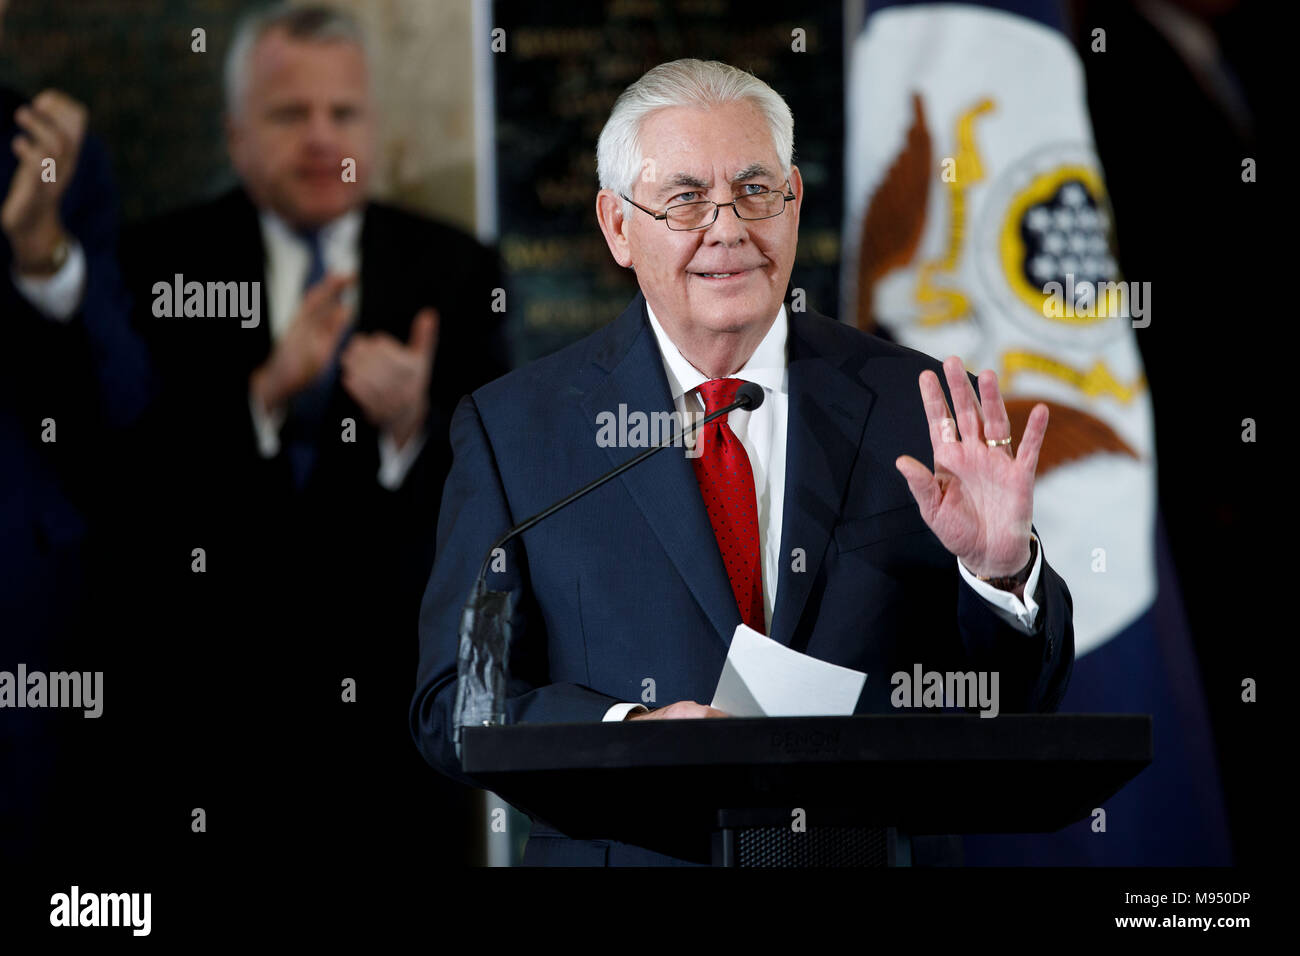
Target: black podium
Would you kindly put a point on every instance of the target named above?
(726, 790)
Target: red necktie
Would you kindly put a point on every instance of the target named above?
(727, 484)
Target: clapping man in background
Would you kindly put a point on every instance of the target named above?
(301, 450)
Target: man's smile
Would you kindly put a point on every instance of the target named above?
(728, 275)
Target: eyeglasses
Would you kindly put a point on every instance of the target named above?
(699, 215)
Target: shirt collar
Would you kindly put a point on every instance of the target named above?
(766, 367)
(345, 229)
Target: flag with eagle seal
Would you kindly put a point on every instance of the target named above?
(977, 224)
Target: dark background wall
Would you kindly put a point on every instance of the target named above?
(564, 67)
(156, 104)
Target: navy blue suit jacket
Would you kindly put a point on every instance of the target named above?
(628, 583)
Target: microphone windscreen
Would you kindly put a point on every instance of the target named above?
(752, 394)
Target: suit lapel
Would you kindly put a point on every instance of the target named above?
(664, 487)
(827, 413)
(380, 276)
(247, 262)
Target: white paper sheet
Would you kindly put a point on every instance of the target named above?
(762, 678)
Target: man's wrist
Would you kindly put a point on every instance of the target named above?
(263, 385)
(1014, 582)
(410, 425)
(40, 251)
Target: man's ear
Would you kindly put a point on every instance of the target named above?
(609, 213)
(796, 187)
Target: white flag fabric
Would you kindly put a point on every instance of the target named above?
(977, 224)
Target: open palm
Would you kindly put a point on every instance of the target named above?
(979, 502)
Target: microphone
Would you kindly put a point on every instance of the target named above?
(751, 395)
(482, 659)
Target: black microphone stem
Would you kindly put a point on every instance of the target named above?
(742, 402)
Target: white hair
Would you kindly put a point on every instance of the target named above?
(698, 83)
(314, 22)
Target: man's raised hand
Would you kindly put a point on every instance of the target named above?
(53, 128)
(307, 345)
(390, 379)
(980, 500)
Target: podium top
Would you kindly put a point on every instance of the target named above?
(758, 741)
(926, 773)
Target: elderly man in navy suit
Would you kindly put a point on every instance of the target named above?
(842, 517)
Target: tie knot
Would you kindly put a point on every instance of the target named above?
(719, 393)
(316, 264)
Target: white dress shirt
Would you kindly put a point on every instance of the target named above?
(762, 432)
(288, 262)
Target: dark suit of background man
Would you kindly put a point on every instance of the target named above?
(649, 576)
(305, 454)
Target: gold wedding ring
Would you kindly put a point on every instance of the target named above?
(996, 442)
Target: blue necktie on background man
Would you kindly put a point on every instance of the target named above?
(305, 427)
